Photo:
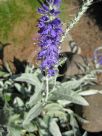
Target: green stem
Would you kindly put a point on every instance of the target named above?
(47, 88)
(78, 16)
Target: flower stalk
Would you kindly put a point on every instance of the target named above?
(47, 88)
(81, 12)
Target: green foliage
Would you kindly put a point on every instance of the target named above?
(14, 131)
(27, 112)
(54, 128)
(64, 94)
(33, 113)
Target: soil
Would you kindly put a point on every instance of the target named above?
(24, 49)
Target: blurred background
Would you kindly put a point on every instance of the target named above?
(18, 20)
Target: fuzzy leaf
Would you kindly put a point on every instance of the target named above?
(59, 114)
(13, 118)
(100, 92)
(85, 134)
(73, 121)
(64, 94)
(54, 128)
(1, 84)
(28, 78)
(19, 87)
(74, 124)
(68, 133)
(80, 119)
(34, 98)
(74, 84)
(88, 92)
(64, 102)
(71, 85)
(43, 123)
(14, 131)
(31, 127)
(7, 66)
(2, 74)
(43, 132)
(33, 113)
(18, 101)
(29, 69)
(53, 107)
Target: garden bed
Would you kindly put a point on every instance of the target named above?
(22, 49)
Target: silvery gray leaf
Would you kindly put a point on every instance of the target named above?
(3, 74)
(18, 102)
(53, 106)
(1, 84)
(7, 67)
(33, 113)
(68, 133)
(71, 85)
(34, 98)
(13, 131)
(19, 87)
(73, 121)
(85, 134)
(54, 128)
(80, 119)
(28, 78)
(89, 92)
(64, 94)
(29, 69)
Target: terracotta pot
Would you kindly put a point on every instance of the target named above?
(93, 112)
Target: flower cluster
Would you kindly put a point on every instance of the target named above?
(100, 60)
(98, 56)
(50, 30)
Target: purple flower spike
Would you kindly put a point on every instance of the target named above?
(50, 31)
